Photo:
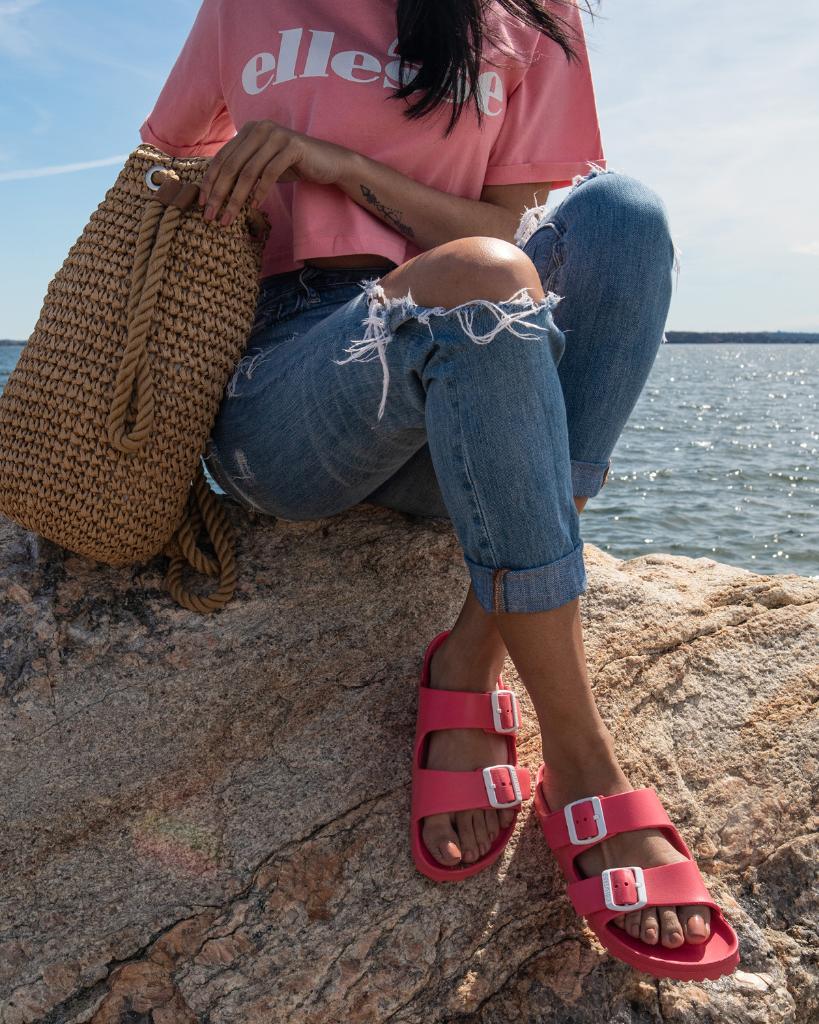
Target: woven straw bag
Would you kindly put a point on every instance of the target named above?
(106, 414)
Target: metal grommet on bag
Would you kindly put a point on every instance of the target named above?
(149, 176)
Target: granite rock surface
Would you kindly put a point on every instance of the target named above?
(204, 818)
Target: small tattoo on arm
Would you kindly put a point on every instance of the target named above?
(393, 216)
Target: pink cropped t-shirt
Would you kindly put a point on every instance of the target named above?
(327, 69)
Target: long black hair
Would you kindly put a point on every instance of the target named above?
(446, 38)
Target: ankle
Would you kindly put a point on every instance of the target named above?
(451, 670)
(584, 762)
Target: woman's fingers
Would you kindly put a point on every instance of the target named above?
(217, 163)
(277, 170)
(241, 188)
(236, 169)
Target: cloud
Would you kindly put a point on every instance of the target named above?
(16, 39)
(41, 172)
(725, 122)
(806, 248)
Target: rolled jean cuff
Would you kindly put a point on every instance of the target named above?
(588, 477)
(539, 589)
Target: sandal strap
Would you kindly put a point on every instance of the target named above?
(497, 711)
(441, 792)
(587, 822)
(622, 890)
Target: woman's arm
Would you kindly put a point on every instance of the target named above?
(264, 153)
(428, 216)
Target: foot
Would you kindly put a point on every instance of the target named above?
(465, 835)
(668, 926)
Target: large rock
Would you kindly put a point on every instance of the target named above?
(205, 818)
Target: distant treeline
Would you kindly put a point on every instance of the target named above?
(738, 337)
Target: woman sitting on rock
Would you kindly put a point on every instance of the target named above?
(431, 338)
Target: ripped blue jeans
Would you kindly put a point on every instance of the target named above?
(494, 415)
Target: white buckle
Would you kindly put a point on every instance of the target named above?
(490, 785)
(597, 814)
(639, 884)
(496, 711)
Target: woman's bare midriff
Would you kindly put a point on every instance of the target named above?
(352, 260)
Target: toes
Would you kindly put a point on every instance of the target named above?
(695, 922)
(671, 933)
(619, 921)
(466, 834)
(506, 816)
(492, 823)
(481, 832)
(441, 839)
(632, 924)
(650, 927)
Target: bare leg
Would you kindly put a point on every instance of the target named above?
(547, 651)
(546, 648)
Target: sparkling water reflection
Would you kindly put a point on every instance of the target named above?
(719, 459)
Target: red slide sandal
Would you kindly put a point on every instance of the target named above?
(582, 824)
(443, 792)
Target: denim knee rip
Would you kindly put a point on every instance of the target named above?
(385, 314)
(533, 216)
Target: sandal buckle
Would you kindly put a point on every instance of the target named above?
(494, 781)
(597, 817)
(618, 883)
(505, 711)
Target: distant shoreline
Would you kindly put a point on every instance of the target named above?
(741, 338)
(683, 338)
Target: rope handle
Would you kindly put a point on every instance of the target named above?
(134, 384)
(134, 387)
(204, 509)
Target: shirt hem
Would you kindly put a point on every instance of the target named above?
(147, 134)
(559, 174)
(317, 246)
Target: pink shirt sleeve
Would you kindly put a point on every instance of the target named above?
(550, 130)
(190, 117)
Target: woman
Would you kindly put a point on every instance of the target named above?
(429, 338)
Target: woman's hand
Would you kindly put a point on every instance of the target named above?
(261, 154)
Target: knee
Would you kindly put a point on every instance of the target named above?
(627, 206)
(464, 270)
(481, 267)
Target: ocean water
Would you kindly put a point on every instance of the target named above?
(719, 459)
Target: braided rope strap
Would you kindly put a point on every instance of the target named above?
(204, 508)
(134, 388)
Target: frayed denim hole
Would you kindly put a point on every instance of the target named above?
(594, 171)
(676, 255)
(523, 316)
(556, 263)
(247, 367)
(385, 314)
(531, 220)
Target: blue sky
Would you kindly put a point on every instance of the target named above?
(715, 105)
